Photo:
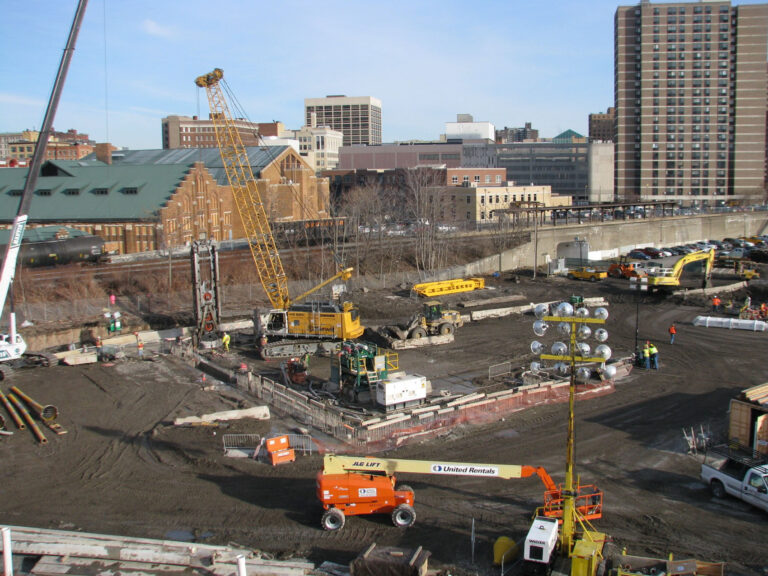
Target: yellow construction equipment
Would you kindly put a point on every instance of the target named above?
(441, 287)
(669, 278)
(286, 319)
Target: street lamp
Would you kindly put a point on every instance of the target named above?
(575, 324)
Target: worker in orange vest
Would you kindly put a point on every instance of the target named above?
(672, 332)
(140, 346)
(716, 303)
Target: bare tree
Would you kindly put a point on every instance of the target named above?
(423, 201)
(363, 208)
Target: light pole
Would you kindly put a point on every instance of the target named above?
(574, 324)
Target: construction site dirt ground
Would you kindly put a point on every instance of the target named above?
(123, 468)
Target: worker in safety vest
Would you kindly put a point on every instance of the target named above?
(225, 341)
(672, 332)
(716, 303)
(140, 347)
(647, 355)
(654, 352)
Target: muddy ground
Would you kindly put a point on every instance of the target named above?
(124, 469)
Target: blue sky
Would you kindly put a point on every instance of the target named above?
(548, 62)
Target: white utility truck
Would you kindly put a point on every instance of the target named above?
(738, 472)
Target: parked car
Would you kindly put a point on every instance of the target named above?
(638, 255)
(665, 252)
(736, 253)
(738, 242)
(652, 252)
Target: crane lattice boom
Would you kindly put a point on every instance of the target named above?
(247, 198)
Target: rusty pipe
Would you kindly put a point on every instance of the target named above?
(12, 411)
(47, 413)
(28, 417)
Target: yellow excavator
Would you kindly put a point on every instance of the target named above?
(662, 279)
(288, 328)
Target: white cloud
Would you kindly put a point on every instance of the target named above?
(154, 29)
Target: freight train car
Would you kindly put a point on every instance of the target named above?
(61, 251)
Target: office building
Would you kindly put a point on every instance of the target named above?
(690, 98)
(465, 129)
(318, 145)
(358, 118)
(194, 132)
(562, 165)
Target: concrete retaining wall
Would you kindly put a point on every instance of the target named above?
(609, 239)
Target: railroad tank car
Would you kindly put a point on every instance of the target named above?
(63, 251)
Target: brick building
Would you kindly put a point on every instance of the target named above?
(154, 199)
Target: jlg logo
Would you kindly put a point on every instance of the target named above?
(364, 464)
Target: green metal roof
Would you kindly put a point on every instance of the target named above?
(134, 187)
(259, 158)
(41, 234)
(71, 191)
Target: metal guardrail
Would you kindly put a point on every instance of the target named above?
(241, 445)
(501, 369)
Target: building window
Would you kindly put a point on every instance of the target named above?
(100, 191)
(454, 179)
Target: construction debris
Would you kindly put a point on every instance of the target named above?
(256, 412)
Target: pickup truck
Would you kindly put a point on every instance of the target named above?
(737, 473)
(587, 273)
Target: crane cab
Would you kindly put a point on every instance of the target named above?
(326, 320)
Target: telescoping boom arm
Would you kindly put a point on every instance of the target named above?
(334, 464)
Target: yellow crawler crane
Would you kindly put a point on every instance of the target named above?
(286, 319)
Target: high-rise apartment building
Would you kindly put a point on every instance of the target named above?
(358, 118)
(690, 95)
(510, 135)
(601, 125)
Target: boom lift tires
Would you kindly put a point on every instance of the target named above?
(403, 516)
(333, 520)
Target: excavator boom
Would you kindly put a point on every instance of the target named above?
(671, 277)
